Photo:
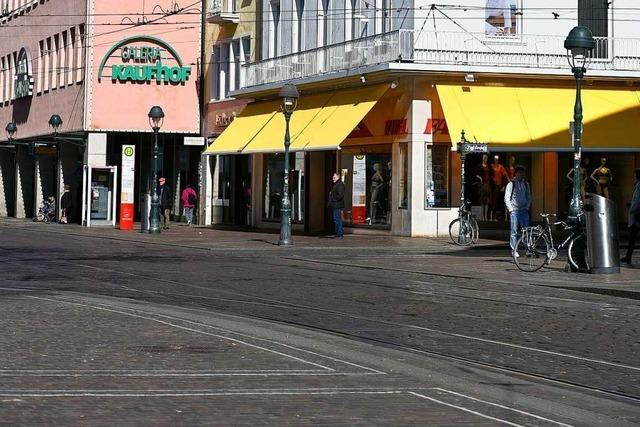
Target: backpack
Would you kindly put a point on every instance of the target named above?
(192, 198)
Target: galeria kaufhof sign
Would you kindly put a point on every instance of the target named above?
(144, 59)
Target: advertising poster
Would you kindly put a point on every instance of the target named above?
(359, 194)
(127, 187)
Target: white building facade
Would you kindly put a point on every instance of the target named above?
(387, 87)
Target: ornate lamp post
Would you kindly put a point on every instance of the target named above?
(156, 118)
(11, 130)
(289, 94)
(579, 45)
(55, 122)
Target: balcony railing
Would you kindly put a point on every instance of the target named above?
(526, 51)
(333, 58)
(454, 49)
(222, 11)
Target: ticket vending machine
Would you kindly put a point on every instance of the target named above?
(100, 186)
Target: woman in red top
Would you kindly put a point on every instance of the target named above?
(189, 199)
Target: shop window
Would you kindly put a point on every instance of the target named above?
(367, 176)
(486, 176)
(274, 184)
(436, 176)
(403, 190)
(617, 184)
(503, 18)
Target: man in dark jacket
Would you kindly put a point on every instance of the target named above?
(164, 196)
(336, 203)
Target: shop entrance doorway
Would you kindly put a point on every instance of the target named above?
(231, 195)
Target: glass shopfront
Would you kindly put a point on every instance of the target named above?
(486, 177)
(274, 182)
(606, 174)
(366, 172)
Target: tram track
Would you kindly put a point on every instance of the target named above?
(248, 299)
(242, 298)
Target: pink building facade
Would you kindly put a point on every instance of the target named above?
(100, 65)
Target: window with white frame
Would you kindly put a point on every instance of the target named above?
(298, 27)
(227, 59)
(274, 29)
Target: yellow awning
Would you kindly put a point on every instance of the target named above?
(244, 128)
(320, 122)
(271, 138)
(538, 118)
(338, 118)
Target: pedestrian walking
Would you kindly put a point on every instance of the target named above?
(336, 203)
(164, 196)
(634, 219)
(189, 198)
(517, 199)
(66, 205)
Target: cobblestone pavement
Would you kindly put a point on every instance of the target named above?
(211, 327)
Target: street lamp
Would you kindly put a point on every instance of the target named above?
(55, 122)
(289, 95)
(156, 118)
(579, 45)
(11, 129)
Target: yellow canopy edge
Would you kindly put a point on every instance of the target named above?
(342, 113)
(271, 138)
(538, 118)
(244, 128)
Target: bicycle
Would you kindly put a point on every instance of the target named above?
(464, 230)
(535, 247)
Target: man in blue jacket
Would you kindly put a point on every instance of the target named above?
(634, 219)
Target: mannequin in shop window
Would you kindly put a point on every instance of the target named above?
(511, 169)
(498, 183)
(603, 177)
(377, 190)
(583, 179)
(484, 176)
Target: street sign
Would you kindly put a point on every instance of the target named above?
(194, 140)
(472, 147)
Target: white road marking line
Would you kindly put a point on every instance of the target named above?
(203, 393)
(465, 409)
(503, 407)
(188, 329)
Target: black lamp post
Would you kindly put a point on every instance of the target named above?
(579, 45)
(156, 118)
(55, 122)
(11, 129)
(289, 95)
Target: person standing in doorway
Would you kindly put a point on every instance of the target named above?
(336, 203)
(164, 196)
(66, 205)
(517, 199)
(189, 198)
(634, 219)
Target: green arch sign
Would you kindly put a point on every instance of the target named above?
(142, 62)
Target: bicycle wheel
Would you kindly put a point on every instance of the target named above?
(461, 232)
(531, 250)
(578, 253)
